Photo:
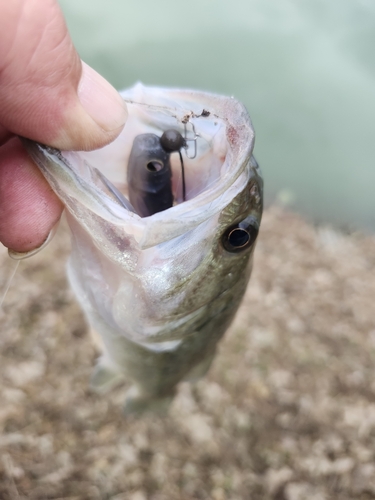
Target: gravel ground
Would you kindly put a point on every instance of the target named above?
(287, 412)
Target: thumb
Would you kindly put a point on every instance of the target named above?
(46, 93)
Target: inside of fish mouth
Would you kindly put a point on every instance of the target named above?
(145, 172)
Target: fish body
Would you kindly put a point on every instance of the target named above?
(161, 290)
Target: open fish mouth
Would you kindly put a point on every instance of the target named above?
(213, 156)
(164, 223)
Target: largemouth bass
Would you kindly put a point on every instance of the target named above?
(161, 282)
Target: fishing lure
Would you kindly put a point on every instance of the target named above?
(149, 172)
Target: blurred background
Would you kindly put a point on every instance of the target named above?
(287, 411)
(305, 70)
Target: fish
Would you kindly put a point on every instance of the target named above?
(160, 283)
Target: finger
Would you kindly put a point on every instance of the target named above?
(4, 135)
(28, 206)
(45, 93)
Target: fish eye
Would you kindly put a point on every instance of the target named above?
(154, 166)
(241, 236)
(172, 140)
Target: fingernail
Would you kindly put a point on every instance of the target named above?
(100, 100)
(25, 255)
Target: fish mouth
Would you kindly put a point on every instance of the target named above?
(217, 141)
(206, 158)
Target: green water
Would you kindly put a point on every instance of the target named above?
(305, 69)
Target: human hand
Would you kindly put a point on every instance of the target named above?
(48, 95)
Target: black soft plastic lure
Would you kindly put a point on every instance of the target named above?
(150, 174)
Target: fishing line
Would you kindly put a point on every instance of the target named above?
(183, 176)
(8, 281)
